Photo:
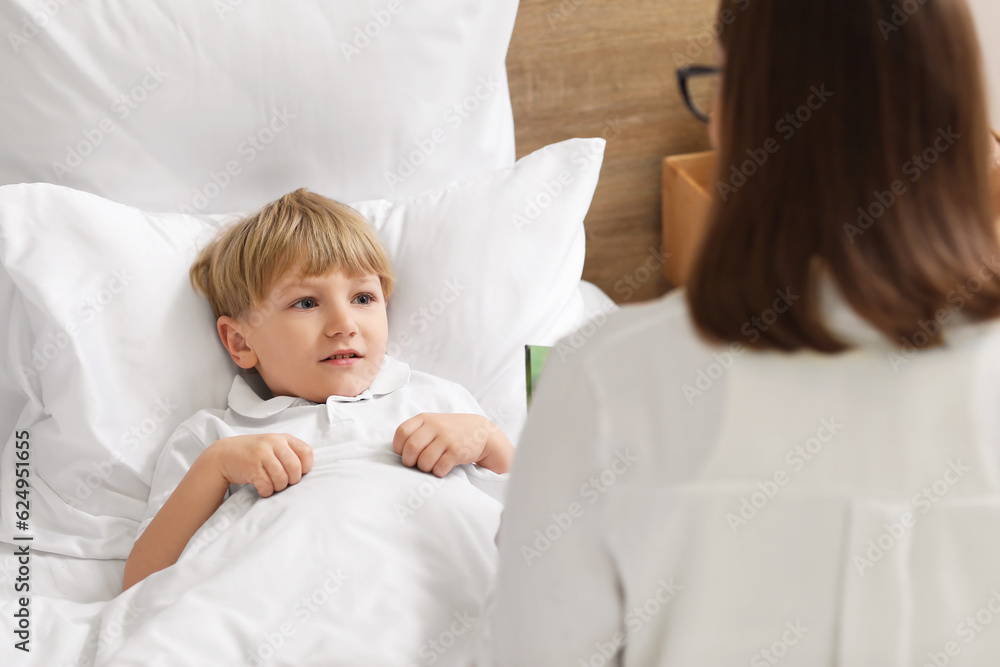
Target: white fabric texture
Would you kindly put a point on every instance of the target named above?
(218, 106)
(676, 503)
(67, 595)
(112, 349)
(362, 562)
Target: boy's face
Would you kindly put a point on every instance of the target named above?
(306, 321)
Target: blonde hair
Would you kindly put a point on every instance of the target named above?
(238, 268)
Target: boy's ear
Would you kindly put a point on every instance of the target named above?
(231, 334)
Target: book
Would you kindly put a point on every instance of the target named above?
(534, 359)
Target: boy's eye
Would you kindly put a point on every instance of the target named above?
(365, 298)
(309, 303)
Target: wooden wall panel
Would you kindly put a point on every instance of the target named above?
(587, 68)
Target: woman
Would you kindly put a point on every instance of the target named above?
(797, 459)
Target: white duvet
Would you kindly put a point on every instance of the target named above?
(364, 563)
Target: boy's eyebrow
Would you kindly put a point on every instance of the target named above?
(286, 285)
(291, 284)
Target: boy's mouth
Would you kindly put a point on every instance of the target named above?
(343, 355)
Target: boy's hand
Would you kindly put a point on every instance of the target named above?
(269, 461)
(438, 442)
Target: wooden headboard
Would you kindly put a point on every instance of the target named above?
(590, 68)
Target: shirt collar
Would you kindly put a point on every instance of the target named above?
(250, 397)
(846, 324)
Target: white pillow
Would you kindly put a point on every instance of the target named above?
(112, 348)
(164, 115)
(219, 106)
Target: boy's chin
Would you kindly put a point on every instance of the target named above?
(348, 382)
(350, 389)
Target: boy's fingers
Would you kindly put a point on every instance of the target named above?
(416, 444)
(263, 484)
(404, 431)
(289, 459)
(303, 451)
(430, 455)
(276, 471)
(444, 464)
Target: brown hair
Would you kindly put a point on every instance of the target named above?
(861, 134)
(302, 229)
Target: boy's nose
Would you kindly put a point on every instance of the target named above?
(341, 321)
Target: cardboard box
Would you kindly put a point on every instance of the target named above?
(687, 184)
(687, 192)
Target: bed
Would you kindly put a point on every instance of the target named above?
(131, 134)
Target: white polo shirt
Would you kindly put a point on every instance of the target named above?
(367, 421)
(676, 503)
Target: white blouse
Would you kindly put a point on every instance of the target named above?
(677, 503)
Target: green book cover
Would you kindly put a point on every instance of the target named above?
(534, 358)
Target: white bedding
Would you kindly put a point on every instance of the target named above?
(326, 572)
(69, 594)
(363, 562)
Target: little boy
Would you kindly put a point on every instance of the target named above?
(299, 290)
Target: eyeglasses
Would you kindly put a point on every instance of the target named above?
(699, 85)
